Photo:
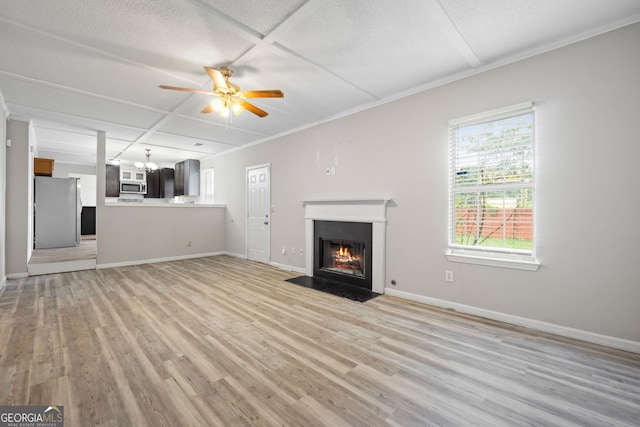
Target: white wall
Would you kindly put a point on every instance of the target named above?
(3, 195)
(140, 233)
(588, 191)
(62, 170)
(19, 198)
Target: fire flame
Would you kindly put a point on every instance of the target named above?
(343, 260)
(344, 252)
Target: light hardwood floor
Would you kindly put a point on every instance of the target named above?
(223, 341)
(85, 250)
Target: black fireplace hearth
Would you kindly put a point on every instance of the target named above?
(340, 289)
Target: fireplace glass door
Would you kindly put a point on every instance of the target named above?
(343, 257)
(342, 252)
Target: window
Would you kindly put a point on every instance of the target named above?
(491, 188)
(206, 186)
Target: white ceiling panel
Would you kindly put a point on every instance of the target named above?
(191, 146)
(232, 135)
(79, 124)
(47, 61)
(381, 47)
(52, 135)
(310, 93)
(74, 104)
(498, 29)
(74, 67)
(172, 35)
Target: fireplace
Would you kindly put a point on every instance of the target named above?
(342, 252)
(358, 225)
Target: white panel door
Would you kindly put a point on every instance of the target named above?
(258, 213)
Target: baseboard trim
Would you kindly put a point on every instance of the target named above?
(271, 263)
(156, 260)
(235, 255)
(61, 267)
(17, 275)
(592, 337)
(287, 267)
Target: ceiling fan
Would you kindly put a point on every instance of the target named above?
(230, 98)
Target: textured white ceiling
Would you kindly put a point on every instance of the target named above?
(73, 67)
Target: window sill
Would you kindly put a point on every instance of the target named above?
(493, 260)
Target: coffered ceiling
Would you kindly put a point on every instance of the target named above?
(73, 67)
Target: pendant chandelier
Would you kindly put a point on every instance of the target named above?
(148, 167)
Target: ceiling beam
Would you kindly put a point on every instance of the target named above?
(438, 13)
(286, 25)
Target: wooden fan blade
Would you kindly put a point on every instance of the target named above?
(263, 93)
(186, 89)
(218, 79)
(255, 110)
(208, 109)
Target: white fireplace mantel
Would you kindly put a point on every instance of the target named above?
(372, 211)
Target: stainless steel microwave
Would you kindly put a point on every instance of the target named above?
(133, 187)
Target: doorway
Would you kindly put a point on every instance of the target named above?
(64, 222)
(258, 213)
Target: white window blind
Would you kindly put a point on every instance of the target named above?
(491, 185)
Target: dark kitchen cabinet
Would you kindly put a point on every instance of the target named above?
(160, 184)
(88, 220)
(187, 178)
(167, 183)
(153, 185)
(113, 181)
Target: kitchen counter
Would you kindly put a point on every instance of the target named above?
(149, 203)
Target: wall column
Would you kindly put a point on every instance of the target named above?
(19, 178)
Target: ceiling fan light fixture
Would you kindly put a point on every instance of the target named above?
(217, 104)
(231, 98)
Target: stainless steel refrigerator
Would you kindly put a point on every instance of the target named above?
(57, 209)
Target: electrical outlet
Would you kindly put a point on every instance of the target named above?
(448, 276)
(188, 242)
(293, 250)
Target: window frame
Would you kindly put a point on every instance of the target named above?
(482, 255)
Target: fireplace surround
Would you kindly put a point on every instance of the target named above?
(365, 211)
